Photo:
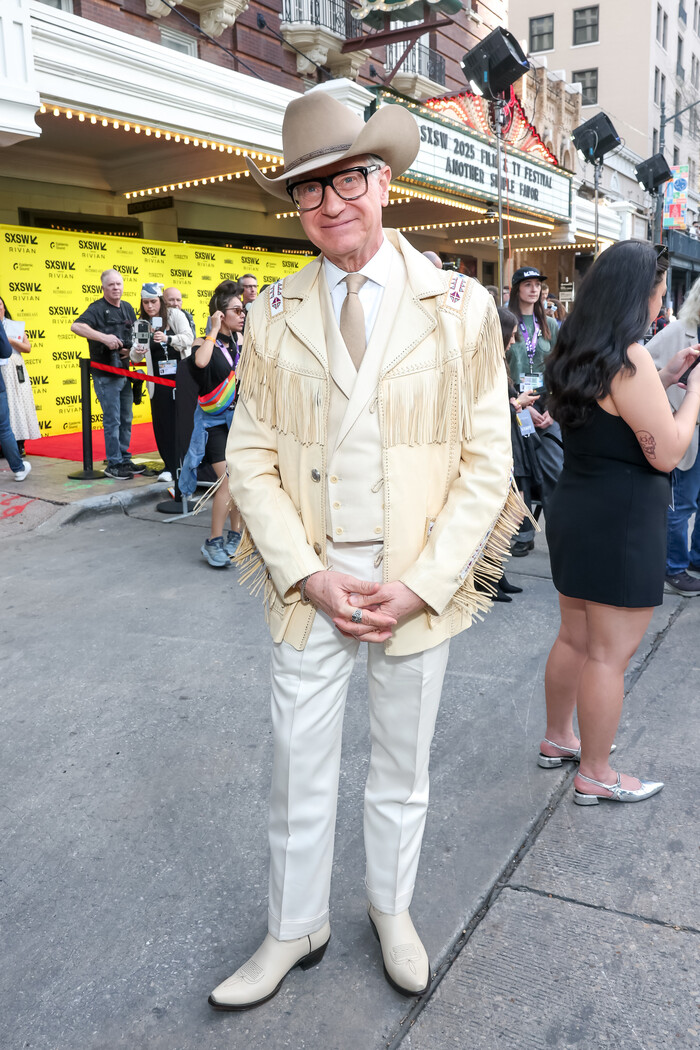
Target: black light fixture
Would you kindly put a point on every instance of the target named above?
(491, 68)
(652, 173)
(494, 64)
(595, 138)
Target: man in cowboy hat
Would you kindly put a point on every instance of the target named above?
(371, 438)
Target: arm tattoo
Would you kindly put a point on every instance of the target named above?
(648, 443)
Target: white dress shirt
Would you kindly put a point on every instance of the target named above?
(378, 274)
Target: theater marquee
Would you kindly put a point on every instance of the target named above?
(462, 162)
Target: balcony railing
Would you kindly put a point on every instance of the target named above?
(681, 244)
(330, 14)
(421, 60)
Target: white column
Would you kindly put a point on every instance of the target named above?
(19, 96)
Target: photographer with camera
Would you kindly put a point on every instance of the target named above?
(107, 324)
(162, 337)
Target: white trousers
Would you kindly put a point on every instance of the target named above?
(309, 690)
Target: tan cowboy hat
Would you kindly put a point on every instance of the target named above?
(318, 130)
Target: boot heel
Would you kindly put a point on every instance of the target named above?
(582, 799)
(313, 957)
(547, 762)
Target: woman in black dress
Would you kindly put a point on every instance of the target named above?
(606, 524)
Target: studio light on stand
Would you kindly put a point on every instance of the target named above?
(594, 140)
(490, 69)
(651, 175)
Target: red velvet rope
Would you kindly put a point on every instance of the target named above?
(133, 376)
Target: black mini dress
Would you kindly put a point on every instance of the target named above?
(606, 523)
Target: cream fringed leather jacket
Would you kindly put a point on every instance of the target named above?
(441, 396)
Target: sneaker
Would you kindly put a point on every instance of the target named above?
(166, 476)
(694, 570)
(214, 552)
(135, 468)
(683, 583)
(121, 472)
(20, 475)
(232, 541)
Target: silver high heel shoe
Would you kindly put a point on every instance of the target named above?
(568, 754)
(646, 789)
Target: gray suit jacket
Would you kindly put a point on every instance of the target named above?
(662, 347)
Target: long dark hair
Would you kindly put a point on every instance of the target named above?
(8, 315)
(611, 312)
(508, 322)
(540, 316)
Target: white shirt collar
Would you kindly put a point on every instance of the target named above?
(376, 270)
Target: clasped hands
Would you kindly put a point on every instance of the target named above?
(382, 604)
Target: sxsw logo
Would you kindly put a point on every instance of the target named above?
(58, 264)
(65, 355)
(63, 311)
(44, 424)
(93, 246)
(180, 273)
(147, 250)
(24, 286)
(35, 333)
(208, 256)
(92, 289)
(127, 269)
(68, 399)
(20, 238)
(39, 380)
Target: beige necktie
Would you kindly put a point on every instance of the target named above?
(352, 319)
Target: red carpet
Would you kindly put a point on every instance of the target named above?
(70, 446)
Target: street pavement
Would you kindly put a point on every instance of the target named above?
(135, 749)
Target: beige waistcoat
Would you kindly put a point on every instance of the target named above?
(354, 490)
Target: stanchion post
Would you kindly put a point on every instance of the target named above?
(87, 473)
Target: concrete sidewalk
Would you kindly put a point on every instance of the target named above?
(135, 745)
(49, 494)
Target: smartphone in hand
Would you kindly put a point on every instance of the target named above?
(684, 378)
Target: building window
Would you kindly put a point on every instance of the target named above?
(696, 16)
(655, 141)
(682, 13)
(177, 41)
(664, 34)
(59, 5)
(588, 79)
(656, 85)
(677, 122)
(662, 94)
(542, 33)
(680, 71)
(676, 156)
(586, 25)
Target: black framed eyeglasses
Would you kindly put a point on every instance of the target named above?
(661, 251)
(349, 185)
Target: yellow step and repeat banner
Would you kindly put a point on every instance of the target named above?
(48, 278)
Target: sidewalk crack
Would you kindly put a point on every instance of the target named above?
(518, 887)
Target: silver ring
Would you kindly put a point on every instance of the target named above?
(357, 616)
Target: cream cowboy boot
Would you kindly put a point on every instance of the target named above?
(406, 963)
(261, 977)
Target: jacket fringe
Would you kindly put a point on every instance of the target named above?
(209, 494)
(419, 406)
(485, 567)
(253, 572)
(290, 402)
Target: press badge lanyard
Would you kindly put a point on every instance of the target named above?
(530, 345)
